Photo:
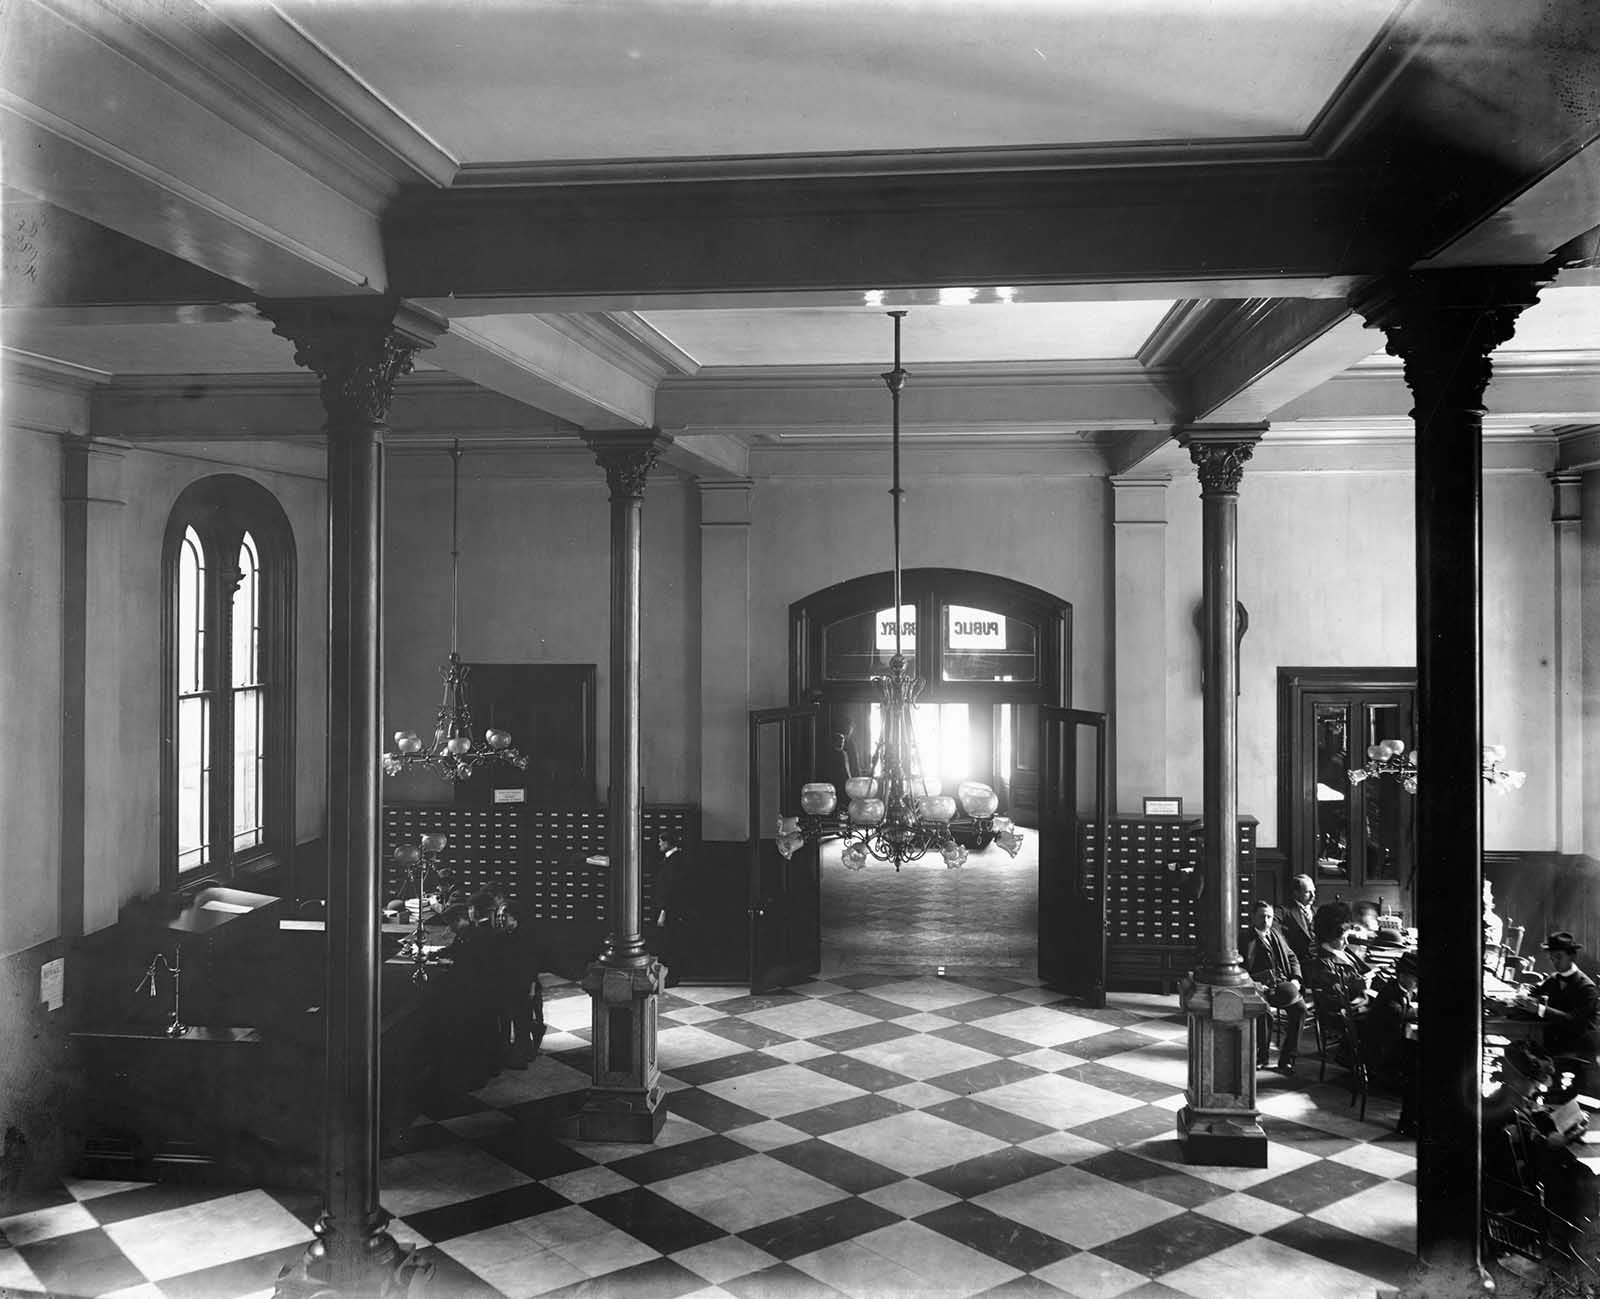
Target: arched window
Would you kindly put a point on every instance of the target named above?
(228, 698)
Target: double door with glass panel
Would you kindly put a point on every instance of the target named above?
(1357, 840)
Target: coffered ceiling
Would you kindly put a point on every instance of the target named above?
(1103, 217)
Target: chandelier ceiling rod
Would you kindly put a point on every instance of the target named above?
(455, 546)
(896, 379)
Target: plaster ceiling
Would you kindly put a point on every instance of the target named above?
(555, 80)
(1563, 320)
(992, 331)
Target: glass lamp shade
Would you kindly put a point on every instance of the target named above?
(1009, 840)
(434, 842)
(789, 844)
(853, 858)
(860, 787)
(408, 854)
(788, 825)
(407, 742)
(937, 807)
(497, 739)
(458, 745)
(954, 854)
(818, 799)
(866, 811)
(978, 799)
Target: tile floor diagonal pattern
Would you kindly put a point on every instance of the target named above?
(851, 1146)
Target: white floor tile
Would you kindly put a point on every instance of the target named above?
(208, 1233)
(786, 1090)
(1090, 1277)
(745, 1193)
(1226, 1274)
(1076, 1207)
(724, 1259)
(915, 1142)
(42, 1224)
(946, 1266)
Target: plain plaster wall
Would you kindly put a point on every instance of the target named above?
(1326, 572)
(1050, 531)
(535, 543)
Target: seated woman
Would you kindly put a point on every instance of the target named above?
(1335, 977)
(1527, 1150)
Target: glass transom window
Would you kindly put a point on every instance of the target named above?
(981, 645)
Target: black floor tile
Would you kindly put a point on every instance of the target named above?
(981, 1008)
(151, 1199)
(754, 1036)
(657, 1222)
(30, 1199)
(836, 1166)
(305, 1205)
(684, 1157)
(1335, 1245)
(1314, 1186)
(711, 1112)
(80, 1263)
(1165, 1246)
(419, 1136)
(485, 1211)
(864, 1003)
(974, 1114)
(1154, 1290)
(228, 1280)
(780, 1281)
(660, 1278)
(864, 980)
(747, 1004)
(843, 1114)
(1000, 1238)
(531, 1149)
(815, 1229)
(1022, 1287)
(1108, 1077)
(848, 1039)
(981, 1039)
(858, 1073)
(973, 1177)
(727, 1066)
(452, 1105)
(980, 1078)
(1113, 1042)
(994, 983)
(1153, 1179)
(1129, 1127)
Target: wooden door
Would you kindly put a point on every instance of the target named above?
(1072, 892)
(785, 897)
(549, 710)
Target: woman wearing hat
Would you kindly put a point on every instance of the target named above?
(1567, 1001)
(1392, 1038)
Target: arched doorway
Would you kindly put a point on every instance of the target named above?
(990, 651)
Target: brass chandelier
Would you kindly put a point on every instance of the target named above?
(454, 754)
(892, 815)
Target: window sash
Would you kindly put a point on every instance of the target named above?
(194, 781)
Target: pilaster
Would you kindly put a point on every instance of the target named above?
(91, 713)
(1139, 523)
(1566, 517)
(724, 657)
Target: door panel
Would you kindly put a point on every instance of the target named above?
(549, 710)
(1072, 894)
(785, 897)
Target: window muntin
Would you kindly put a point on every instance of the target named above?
(859, 647)
(194, 708)
(249, 699)
(982, 645)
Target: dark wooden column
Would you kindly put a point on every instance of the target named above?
(625, 1098)
(1444, 325)
(1218, 1125)
(357, 351)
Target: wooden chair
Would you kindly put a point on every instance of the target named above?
(1516, 1218)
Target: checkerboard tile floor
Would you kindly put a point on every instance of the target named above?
(871, 1135)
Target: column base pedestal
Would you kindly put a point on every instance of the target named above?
(1227, 1141)
(626, 1102)
(387, 1271)
(1218, 1125)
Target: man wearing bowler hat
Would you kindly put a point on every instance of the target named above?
(1568, 1001)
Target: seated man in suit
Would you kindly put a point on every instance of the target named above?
(1391, 1037)
(1272, 964)
(1567, 1001)
(1296, 921)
